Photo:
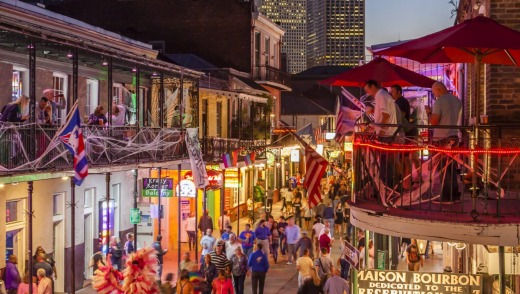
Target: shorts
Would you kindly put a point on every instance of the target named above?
(307, 219)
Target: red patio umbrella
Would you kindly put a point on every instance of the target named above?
(477, 40)
(381, 70)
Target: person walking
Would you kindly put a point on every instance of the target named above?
(276, 237)
(316, 231)
(263, 236)
(292, 235)
(312, 285)
(184, 286)
(187, 263)
(23, 287)
(222, 284)
(116, 253)
(258, 266)
(207, 243)
(191, 229)
(208, 271)
(413, 258)
(129, 244)
(247, 238)
(218, 256)
(304, 243)
(239, 270)
(45, 283)
(12, 276)
(340, 216)
(160, 252)
(324, 263)
(231, 246)
(328, 216)
(304, 265)
(335, 284)
(325, 240)
(223, 222)
(205, 222)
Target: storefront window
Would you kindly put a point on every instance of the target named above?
(13, 211)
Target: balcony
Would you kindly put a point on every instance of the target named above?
(425, 203)
(273, 77)
(214, 147)
(24, 149)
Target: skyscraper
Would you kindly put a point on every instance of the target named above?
(335, 32)
(291, 16)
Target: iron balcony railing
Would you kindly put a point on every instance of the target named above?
(473, 176)
(27, 148)
(271, 74)
(214, 147)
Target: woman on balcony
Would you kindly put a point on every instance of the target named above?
(16, 111)
(97, 118)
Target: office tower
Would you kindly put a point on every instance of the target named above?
(335, 32)
(291, 16)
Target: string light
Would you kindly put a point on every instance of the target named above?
(404, 148)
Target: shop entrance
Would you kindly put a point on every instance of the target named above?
(14, 240)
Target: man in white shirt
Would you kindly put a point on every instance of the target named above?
(223, 222)
(232, 245)
(207, 242)
(316, 230)
(384, 110)
(191, 229)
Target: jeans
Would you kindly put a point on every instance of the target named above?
(283, 245)
(291, 252)
(247, 251)
(192, 238)
(159, 271)
(258, 281)
(238, 283)
(275, 246)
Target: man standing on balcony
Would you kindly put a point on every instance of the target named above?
(385, 113)
(61, 103)
(446, 112)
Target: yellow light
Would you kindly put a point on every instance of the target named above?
(2, 185)
(64, 178)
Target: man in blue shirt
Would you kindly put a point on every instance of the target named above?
(258, 266)
(227, 232)
(263, 236)
(292, 235)
(247, 237)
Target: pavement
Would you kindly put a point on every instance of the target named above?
(281, 278)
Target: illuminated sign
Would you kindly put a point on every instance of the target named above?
(329, 136)
(151, 187)
(348, 146)
(283, 131)
(106, 227)
(295, 155)
(231, 175)
(319, 149)
(398, 282)
(187, 189)
(214, 178)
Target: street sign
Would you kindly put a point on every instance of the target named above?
(135, 216)
(381, 259)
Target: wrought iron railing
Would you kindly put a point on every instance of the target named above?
(462, 174)
(214, 147)
(271, 74)
(27, 148)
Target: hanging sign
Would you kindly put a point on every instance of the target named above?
(151, 187)
(135, 216)
(400, 282)
(214, 178)
(231, 178)
(351, 254)
(186, 188)
(295, 155)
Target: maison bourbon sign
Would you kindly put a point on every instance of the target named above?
(398, 282)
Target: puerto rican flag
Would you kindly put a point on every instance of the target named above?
(72, 137)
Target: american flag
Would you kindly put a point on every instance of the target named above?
(315, 166)
(319, 133)
(72, 137)
(345, 121)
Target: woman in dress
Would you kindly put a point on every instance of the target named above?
(338, 222)
(208, 271)
(239, 270)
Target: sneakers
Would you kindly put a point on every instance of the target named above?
(289, 262)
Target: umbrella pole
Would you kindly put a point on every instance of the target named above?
(478, 65)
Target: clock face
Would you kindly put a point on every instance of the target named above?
(187, 189)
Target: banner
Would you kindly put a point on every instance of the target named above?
(400, 282)
(198, 167)
(351, 254)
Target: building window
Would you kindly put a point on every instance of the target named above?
(219, 118)
(267, 52)
(13, 211)
(88, 197)
(59, 84)
(17, 85)
(57, 204)
(257, 48)
(91, 100)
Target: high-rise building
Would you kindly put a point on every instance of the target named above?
(335, 32)
(291, 16)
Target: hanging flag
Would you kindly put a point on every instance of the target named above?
(356, 102)
(247, 159)
(234, 154)
(319, 133)
(72, 137)
(252, 156)
(307, 134)
(198, 167)
(226, 159)
(345, 120)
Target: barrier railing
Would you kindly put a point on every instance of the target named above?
(425, 173)
(25, 148)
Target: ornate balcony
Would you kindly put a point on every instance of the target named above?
(412, 187)
(214, 147)
(33, 148)
(271, 76)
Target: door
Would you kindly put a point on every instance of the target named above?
(89, 244)
(14, 246)
(59, 253)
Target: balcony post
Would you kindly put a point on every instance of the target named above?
(109, 88)
(252, 110)
(137, 102)
(30, 226)
(73, 220)
(159, 170)
(32, 100)
(501, 269)
(239, 119)
(107, 199)
(161, 101)
(135, 206)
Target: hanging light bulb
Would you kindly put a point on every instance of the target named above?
(69, 54)
(452, 244)
(460, 246)
(134, 69)
(105, 62)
